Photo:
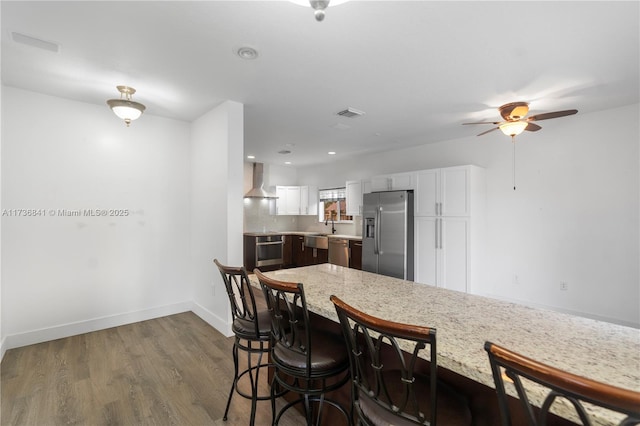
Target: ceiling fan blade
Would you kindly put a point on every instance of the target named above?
(485, 132)
(484, 122)
(548, 115)
(532, 127)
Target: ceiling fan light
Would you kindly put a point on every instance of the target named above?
(513, 128)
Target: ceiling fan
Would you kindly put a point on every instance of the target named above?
(515, 120)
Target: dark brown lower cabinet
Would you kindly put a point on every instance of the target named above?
(298, 251)
(355, 257)
(287, 251)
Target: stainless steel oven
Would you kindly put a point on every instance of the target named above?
(269, 250)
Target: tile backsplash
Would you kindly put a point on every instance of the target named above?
(259, 217)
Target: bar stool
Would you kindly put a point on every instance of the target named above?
(308, 361)
(252, 329)
(389, 386)
(560, 384)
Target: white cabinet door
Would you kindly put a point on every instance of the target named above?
(309, 200)
(426, 252)
(402, 181)
(288, 202)
(454, 195)
(281, 201)
(380, 183)
(393, 182)
(293, 200)
(443, 192)
(441, 252)
(454, 245)
(304, 200)
(427, 193)
(354, 198)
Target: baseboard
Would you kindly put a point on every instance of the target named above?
(80, 327)
(220, 324)
(3, 348)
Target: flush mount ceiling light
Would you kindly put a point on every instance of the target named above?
(125, 108)
(319, 6)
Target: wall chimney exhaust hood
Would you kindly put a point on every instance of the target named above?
(258, 182)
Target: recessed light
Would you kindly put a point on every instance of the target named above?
(251, 157)
(287, 162)
(331, 153)
(246, 52)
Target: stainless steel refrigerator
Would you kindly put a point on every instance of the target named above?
(387, 233)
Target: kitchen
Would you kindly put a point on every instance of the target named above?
(567, 238)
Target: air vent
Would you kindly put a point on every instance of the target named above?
(35, 42)
(350, 113)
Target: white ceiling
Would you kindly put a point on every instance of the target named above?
(417, 68)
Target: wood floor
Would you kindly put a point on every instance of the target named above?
(175, 370)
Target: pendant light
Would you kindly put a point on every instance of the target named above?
(125, 108)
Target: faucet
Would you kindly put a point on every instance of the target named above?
(333, 225)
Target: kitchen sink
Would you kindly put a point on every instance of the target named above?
(320, 241)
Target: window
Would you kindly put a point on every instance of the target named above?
(333, 205)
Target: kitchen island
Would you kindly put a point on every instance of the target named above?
(598, 350)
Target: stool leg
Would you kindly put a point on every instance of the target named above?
(235, 379)
(254, 382)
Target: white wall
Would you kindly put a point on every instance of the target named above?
(216, 207)
(574, 216)
(63, 275)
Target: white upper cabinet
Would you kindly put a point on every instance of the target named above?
(393, 182)
(288, 202)
(447, 191)
(309, 200)
(297, 200)
(354, 197)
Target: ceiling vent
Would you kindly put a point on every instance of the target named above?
(35, 42)
(350, 113)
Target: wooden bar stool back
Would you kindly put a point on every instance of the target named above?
(308, 361)
(560, 384)
(252, 329)
(390, 386)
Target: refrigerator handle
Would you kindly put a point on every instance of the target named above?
(376, 239)
(437, 238)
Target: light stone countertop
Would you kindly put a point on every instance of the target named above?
(344, 236)
(598, 350)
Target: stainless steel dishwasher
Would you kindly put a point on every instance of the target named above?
(339, 251)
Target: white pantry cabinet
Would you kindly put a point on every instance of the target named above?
(442, 251)
(449, 226)
(354, 197)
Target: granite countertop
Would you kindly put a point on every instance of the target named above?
(598, 350)
(260, 234)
